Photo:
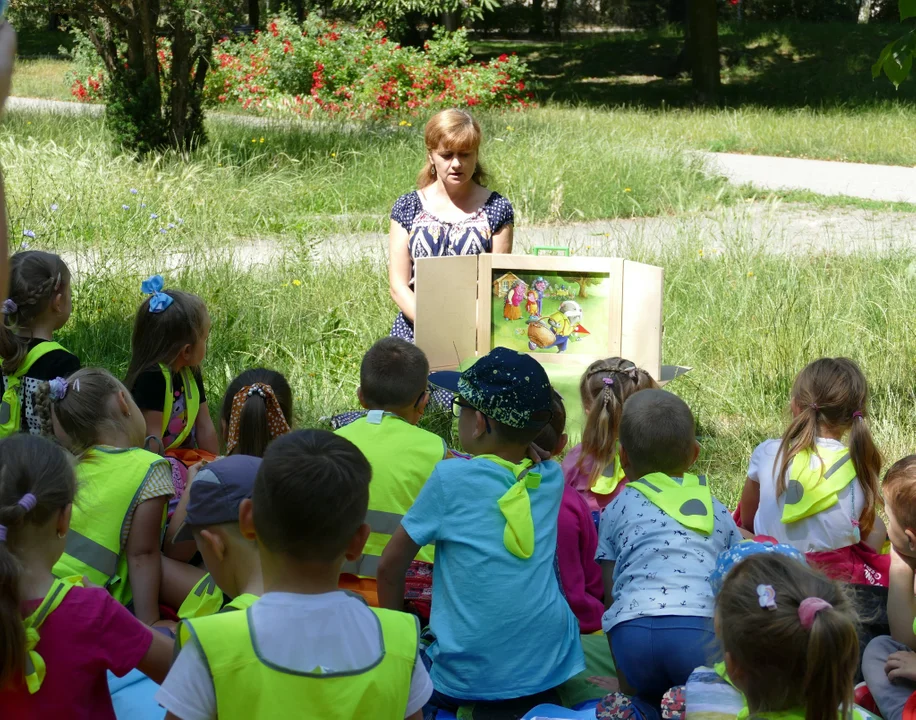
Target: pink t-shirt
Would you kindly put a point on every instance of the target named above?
(577, 478)
(86, 635)
(577, 543)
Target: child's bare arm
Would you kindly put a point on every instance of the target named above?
(418, 715)
(750, 501)
(144, 558)
(901, 601)
(158, 659)
(206, 432)
(153, 423)
(607, 578)
(392, 569)
(878, 535)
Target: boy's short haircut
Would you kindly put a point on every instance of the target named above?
(549, 436)
(311, 495)
(657, 431)
(393, 374)
(899, 488)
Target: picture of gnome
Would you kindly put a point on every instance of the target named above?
(556, 329)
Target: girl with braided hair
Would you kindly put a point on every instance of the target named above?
(39, 304)
(58, 638)
(593, 467)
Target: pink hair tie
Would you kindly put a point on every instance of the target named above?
(809, 609)
(28, 501)
(857, 415)
(608, 381)
(815, 407)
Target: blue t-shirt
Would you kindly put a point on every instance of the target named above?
(662, 568)
(503, 628)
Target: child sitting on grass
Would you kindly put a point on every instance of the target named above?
(889, 664)
(593, 467)
(789, 639)
(502, 627)
(168, 345)
(657, 545)
(38, 306)
(393, 388)
(116, 530)
(815, 491)
(59, 639)
(257, 409)
(577, 538)
(211, 521)
(305, 649)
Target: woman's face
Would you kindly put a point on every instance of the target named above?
(453, 167)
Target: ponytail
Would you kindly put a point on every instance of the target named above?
(800, 436)
(36, 482)
(257, 408)
(604, 388)
(867, 460)
(833, 656)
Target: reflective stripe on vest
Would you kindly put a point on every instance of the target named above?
(690, 502)
(811, 490)
(607, 484)
(11, 402)
(402, 457)
(249, 687)
(204, 599)
(110, 482)
(192, 403)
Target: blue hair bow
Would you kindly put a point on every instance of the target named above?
(159, 300)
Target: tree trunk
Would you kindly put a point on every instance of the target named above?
(254, 13)
(865, 11)
(300, 10)
(703, 48)
(537, 17)
(558, 14)
(451, 20)
(583, 285)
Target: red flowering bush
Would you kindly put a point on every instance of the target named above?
(323, 68)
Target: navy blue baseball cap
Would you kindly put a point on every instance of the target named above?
(508, 386)
(217, 492)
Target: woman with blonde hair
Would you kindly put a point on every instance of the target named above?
(450, 213)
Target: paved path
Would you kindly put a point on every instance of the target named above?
(871, 182)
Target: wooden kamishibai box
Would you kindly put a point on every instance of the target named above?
(460, 301)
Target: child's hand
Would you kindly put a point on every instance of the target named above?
(901, 666)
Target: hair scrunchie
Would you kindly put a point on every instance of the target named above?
(276, 420)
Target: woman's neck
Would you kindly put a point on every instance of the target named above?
(458, 194)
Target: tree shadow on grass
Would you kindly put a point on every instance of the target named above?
(785, 65)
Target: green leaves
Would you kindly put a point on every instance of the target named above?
(896, 59)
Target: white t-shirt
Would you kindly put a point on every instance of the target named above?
(334, 631)
(829, 529)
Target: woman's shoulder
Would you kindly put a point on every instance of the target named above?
(405, 209)
(499, 211)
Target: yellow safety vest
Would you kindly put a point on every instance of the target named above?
(35, 669)
(690, 502)
(204, 599)
(242, 602)
(248, 688)
(402, 457)
(109, 481)
(192, 398)
(815, 481)
(11, 402)
(607, 484)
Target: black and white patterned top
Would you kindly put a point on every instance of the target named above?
(57, 363)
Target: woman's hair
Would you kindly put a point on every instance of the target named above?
(456, 130)
(604, 388)
(784, 665)
(29, 465)
(549, 437)
(35, 278)
(253, 421)
(833, 392)
(83, 414)
(159, 337)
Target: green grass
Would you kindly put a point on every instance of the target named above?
(746, 321)
(42, 78)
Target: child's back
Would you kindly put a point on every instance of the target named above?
(393, 387)
(304, 649)
(503, 629)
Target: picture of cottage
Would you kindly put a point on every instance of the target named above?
(503, 284)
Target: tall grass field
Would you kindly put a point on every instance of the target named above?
(263, 223)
